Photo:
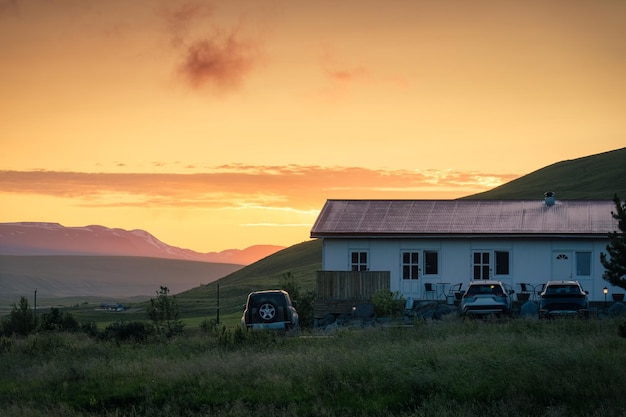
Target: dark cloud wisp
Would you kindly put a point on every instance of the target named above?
(209, 55)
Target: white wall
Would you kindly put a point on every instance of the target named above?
(530, 261)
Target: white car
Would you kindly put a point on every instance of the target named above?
(484, 298)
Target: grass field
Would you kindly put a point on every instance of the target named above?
(449, 367)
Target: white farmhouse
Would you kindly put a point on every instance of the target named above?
(448, 242)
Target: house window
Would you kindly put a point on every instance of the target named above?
(583, 264)
(431, 258)
(410, 265)
(481, 268)
(502, 262)
(358, 261)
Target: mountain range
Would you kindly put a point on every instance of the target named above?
(38, 239)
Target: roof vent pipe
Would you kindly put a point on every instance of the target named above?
(549, 198)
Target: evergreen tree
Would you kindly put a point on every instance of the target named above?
(615, 262)
(21, 320)
(163, 311)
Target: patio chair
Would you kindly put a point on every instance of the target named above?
(526, 292)
(431, 289)
(538, 290)
(455, 291)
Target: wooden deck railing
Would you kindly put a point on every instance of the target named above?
(351, 285)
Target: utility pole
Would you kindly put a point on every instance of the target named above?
(218, 304)
(35, 307)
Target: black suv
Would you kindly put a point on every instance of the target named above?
(563, 298)
(272, 309)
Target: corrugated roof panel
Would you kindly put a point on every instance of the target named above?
(397, 215)
(464, 217)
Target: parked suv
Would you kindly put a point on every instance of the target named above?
(272, 309)
(563, 298)
(485, 298)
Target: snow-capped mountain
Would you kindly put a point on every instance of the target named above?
(36, 238)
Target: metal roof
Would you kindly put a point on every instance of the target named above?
(344, 218)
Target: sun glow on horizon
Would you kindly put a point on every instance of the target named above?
(206, 123)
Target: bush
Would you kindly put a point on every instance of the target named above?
(388, 304)
(90, 328)
(210, 327)
(134, 331)
(58, 320)
(304, 299)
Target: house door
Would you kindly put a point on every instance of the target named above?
(410, 274)
(481, 265)
(562, 265)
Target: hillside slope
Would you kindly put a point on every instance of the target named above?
(592, 177)
(301, 260)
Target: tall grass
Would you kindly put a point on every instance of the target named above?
(449, 367)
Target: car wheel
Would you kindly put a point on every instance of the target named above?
(267, 312)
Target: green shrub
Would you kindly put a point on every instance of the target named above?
(304, 299)
(210, 327)
(388, 304)
(59, 321)
(90, 328)
(134, 331)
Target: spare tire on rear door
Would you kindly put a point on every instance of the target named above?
(267, 312)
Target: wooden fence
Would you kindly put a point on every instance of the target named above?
(351, 285)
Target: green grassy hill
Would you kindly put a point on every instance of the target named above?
(592, 177)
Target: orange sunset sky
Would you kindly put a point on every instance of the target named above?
(224, 124)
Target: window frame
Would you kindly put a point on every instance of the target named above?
(497, 265)
(579, 265)
(427, 263)
(431, 268)
(410, 268)
(362, 261)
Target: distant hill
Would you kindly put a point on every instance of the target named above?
(34, 238)
(595, 177)
(101, 276)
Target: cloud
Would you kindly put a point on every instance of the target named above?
(291, 187)
(344, 77)
(339, 72)
(9, 8)
(222, 63)
(220, 59)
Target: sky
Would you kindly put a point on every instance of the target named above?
(217, 125)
